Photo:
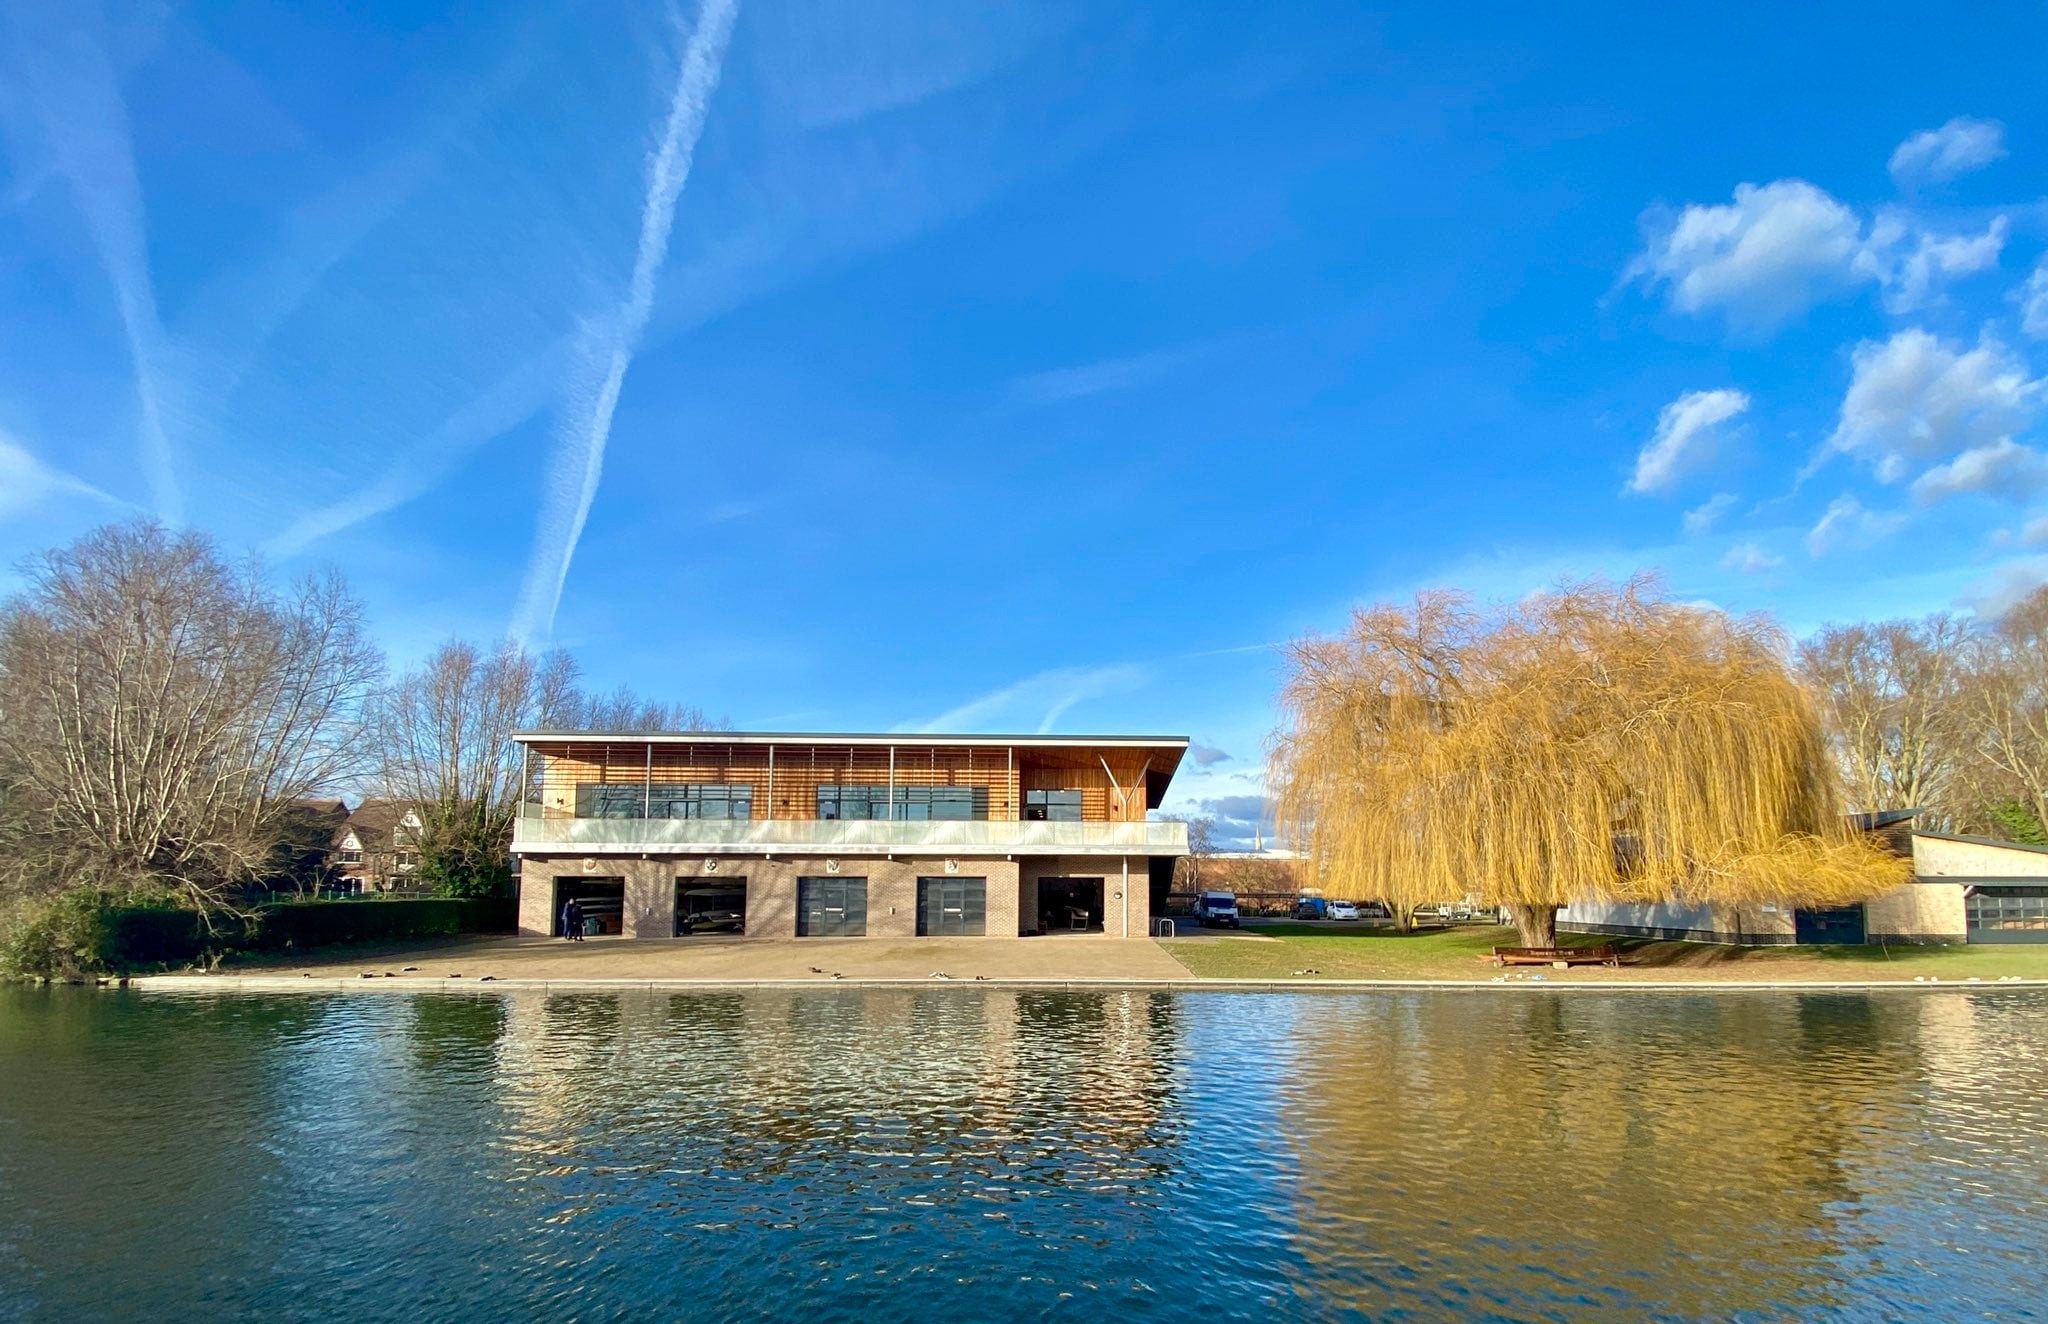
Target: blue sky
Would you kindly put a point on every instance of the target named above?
(994, 366)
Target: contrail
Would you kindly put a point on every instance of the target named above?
(76, 93)
(515, 397)
(592, 391)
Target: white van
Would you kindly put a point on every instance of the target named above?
(1216, 910)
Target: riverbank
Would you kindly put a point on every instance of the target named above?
(1272, 956)
(1353, 951)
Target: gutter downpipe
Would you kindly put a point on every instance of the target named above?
(1126, 894)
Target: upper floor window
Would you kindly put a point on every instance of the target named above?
(850, 802)
(942, 802)
(697, 800)
(918, 803)
(1052, 806)
(351, 857)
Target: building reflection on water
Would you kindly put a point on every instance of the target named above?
(919, 1153)
(917, 1099)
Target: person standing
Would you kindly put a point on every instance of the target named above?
(572, 920)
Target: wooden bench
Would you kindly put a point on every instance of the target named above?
(1603, 955)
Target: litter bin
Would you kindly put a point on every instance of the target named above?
(591, 927)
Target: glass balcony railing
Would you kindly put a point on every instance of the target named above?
(538, 832)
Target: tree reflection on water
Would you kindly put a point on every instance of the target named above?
(923, 1153)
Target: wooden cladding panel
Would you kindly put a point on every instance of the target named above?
(1104, 799)
(798, 772)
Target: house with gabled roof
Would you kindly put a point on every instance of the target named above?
(377, 848)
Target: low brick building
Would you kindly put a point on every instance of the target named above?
(776, 835)
(1964, 889)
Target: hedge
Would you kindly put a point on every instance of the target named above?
(141, 937)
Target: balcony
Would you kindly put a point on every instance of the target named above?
(534, 833)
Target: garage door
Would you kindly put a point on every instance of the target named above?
(2007, 914)
(1831, 924)
(831, 907)
(952, 907)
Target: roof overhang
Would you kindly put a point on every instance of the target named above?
(1178, 744)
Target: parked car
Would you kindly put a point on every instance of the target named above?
(1311, 907)
(1342, 910)
(1216, 910)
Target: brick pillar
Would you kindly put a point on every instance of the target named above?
(537, 896)
(650, 898)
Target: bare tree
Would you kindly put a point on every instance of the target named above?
(1891, 697)
(624, 711)
(161, 711)
(2006, 704)
(1201, 845)
(1596, 741)
(445, 733)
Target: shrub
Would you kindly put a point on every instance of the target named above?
(81, 934)
(62, 937)
(296, 924)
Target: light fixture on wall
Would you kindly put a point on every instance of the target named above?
(589, 865)
(831, 866)
(952, 866)
(711, 866)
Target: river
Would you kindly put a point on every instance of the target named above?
(968, 1154)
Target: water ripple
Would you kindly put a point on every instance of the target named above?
(972, 1154)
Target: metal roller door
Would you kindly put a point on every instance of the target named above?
(831, 907)
(952, 907)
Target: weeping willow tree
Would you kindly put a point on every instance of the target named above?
(1596, 742)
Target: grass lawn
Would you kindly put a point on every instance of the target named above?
(1280, 950)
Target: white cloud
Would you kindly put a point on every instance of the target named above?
(26, 482)
(1935, 156)
(2002, 469)
(2032, 298)
(1762, 260)
(1688, 432)
(2004, 588)
(1778, 249)
(1917, 398)
(1708, 513)
(1848, 524)
(2035, 534)
(1910, 262)
(1751, 559)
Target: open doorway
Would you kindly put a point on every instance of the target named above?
(707, 906)
(602, 900)
(1070, 905)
